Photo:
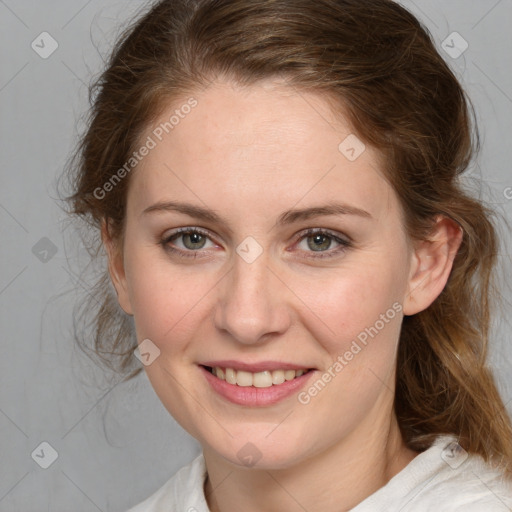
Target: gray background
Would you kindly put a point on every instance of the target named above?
(116, 443)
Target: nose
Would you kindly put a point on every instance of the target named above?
(251, 303)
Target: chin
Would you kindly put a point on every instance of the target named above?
(260, 454)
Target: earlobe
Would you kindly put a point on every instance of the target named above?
(432, 262)
(116, 268)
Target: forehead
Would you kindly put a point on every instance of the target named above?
(261, 147)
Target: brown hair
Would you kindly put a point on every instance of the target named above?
(382, 68)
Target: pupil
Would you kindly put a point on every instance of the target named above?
(196, 239)
(319, 242)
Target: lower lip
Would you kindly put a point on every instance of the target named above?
(252, 396)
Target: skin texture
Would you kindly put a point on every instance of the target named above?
(249, 154)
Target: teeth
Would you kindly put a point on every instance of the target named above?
(230, 375)
(289, 374)
(263, 379)
(277, 377)
(244, 378)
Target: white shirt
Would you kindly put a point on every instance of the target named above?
(443, 478)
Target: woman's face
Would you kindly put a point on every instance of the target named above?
(291, 254)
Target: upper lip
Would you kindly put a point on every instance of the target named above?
(260, 366)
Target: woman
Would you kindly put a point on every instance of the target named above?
(277, 185)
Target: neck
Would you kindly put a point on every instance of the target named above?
(334, 480)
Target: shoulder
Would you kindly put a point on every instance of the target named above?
(444, 478)
(467, 483)
(183, 492)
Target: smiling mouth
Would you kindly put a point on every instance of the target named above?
(263, 379)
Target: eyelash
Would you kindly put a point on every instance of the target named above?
(343, 244)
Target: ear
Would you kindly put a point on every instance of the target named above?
(116, 267)
(431, 265)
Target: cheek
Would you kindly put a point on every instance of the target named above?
(167, 303)
(356, 314)
(357, 321)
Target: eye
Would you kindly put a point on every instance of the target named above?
(187, 242)
(192, 242)
(322, 241)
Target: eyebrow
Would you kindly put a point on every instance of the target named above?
(287, 217)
